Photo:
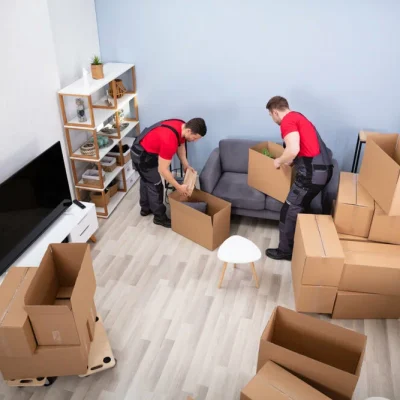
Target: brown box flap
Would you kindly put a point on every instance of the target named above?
(343, 236)
(380, 172)
(9, 288)
(274, 382)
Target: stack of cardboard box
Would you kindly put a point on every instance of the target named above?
(338, 268)
(47, 315)
(304, 358)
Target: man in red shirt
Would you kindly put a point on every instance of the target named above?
(312, 161)
(152, 153)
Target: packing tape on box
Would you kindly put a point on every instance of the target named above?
(56, 336)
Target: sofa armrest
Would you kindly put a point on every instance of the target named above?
(211, 173)
(330, 192)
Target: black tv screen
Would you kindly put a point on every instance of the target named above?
(30, 201)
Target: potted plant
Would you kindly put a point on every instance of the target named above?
(97, 68)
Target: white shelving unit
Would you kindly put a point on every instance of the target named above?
(98, 113)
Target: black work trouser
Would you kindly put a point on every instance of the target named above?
(151, 190)
(299, 199)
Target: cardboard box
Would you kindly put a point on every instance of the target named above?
(49, 361)
(16, 334)
(66, 269)
(263, 176)
(325, 355)
(318, 257)
(208, 230)
(353, 305)
(354, 207)
(317, 264)
(343, 236)
(275, 383)
(380, 171)
(384, 228)
(371, 268)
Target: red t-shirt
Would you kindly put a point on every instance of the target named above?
(296, 122)
(162, 140)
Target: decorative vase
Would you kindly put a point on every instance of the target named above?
(121, 90)
(97, 71)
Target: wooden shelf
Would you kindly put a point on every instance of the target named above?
(111, 71)
(102, 153)
(132, 125)
(112, 205)
(109, 176)
(100, 115)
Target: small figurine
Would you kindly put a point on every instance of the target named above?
(80, 110)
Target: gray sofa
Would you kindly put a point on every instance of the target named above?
(225, 176)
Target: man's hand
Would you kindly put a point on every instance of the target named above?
(277, 163)
(183, 190)
(186, 167)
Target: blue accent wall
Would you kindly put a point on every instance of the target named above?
(337, 62)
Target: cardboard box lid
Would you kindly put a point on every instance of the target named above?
(273, 382)
(352, 192)
(319, 236)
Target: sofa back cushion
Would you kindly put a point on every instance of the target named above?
(234, 154)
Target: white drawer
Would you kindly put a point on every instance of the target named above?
(86, 227)
(128, 167)
(130, 181)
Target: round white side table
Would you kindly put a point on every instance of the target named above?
(238, 250)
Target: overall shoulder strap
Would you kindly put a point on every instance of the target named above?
(173, 130)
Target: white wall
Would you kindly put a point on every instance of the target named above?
(75, 36)
(44, 45)
(29, 114)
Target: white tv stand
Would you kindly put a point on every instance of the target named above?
(76, 224)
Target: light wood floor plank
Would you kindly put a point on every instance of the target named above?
(176, 334)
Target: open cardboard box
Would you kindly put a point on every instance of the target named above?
(380, 171)
(317, 263)
(209, 230)
(354, 207)
(16, 334)
(384, 229)
(65, 273)
(353, 305)
(325, 355)
(371, 268)
(274, 382)
(263, 176)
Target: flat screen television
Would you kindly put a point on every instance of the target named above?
(30, 201)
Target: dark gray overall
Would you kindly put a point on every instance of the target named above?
(312, 175)
(151, 186)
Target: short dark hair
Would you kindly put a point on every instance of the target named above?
(277, 103)
(197, 126)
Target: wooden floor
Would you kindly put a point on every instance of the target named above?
(175, 334)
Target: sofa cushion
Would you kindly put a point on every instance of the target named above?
(233, 187)
(272, 204)
(234, 154)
